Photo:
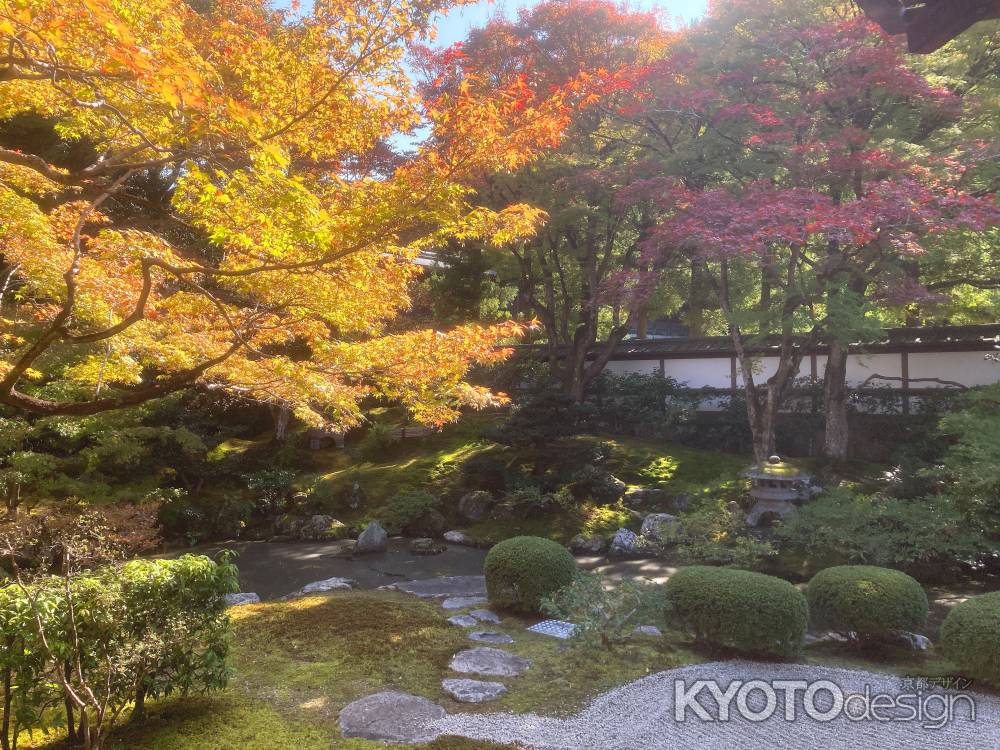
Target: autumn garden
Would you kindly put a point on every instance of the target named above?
(318, 426)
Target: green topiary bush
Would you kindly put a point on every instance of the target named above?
(749, 612)
(523, 569)
(970, 636)
(867, 600)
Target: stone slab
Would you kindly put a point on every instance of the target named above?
(493, 662)
(449, 586)
(391, 716)
(473, 691)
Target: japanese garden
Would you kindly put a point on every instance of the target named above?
(557, 375)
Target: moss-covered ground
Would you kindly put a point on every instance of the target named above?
(297, 663)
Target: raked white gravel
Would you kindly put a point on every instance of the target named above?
(640, 716)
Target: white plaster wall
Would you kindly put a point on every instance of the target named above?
(967, 368)
(630, 366)
(860, 367)
(710, 372)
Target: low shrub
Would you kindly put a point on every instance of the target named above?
(405, 507)
(380, 441)
(750, 612)
(523, 569)
(605, 617)
(926, 537)
(869, 601)
(715, 535)
(970, 636)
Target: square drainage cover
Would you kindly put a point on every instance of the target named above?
(555, 628)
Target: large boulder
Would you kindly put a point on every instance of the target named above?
(628, 544)
(476, 505)
(373, 539)
(391, 716)
(639, 497)
(610, 490)
(661, 527)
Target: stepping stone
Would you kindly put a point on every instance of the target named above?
(484, 615)
(444, 586)
(461, 602)
(473, 691)
(463, 621)
(391, 716)
(494, 662)
(238, 600)
(318, 587)
(488, 636)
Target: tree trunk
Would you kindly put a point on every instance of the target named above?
(836, 434)
(281, 415)
(139, 709)
(7, 700)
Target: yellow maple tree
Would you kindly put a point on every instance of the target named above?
(234, 216)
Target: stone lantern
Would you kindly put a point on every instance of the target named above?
(777, 487)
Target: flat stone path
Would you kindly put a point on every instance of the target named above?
(640, 716)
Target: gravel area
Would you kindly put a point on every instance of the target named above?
(641, 716)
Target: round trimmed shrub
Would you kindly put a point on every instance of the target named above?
(970, 637)
(864, 599)
(750, 612)
(523, 569)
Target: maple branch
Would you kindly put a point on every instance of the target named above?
(175, 382)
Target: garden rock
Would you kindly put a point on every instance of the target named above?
(661, 527)
(459, 537)
(485, 615)
(642, 496)
(373, 539)
(461, 602)
(322, 528)
(587, 545)
(913, 641)
(489, 636)
(463, 621)
(473, 691)
(426, 547)
(476, 505)
(391, 716)
(494, 662)
(627, 543)
(319, 587)
(648, 630)
(610, 490)
(238, 600)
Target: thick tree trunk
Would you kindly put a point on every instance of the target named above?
(836, 434)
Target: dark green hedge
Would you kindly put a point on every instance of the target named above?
(523, 569)
(970, 636)
(867, 600)
(749, 612)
